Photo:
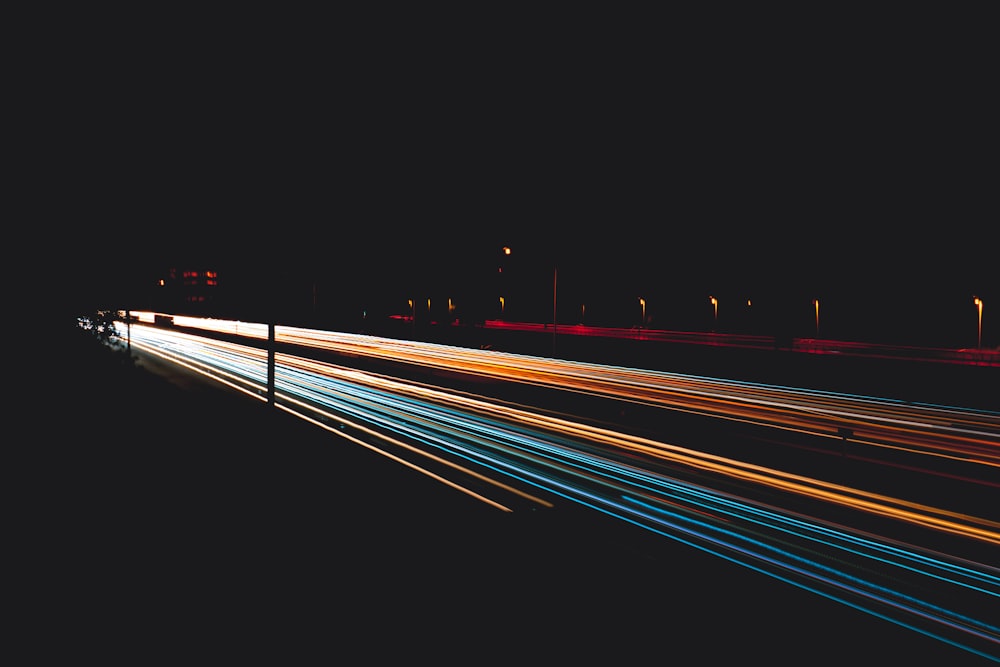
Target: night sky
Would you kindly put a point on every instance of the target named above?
(810, 165)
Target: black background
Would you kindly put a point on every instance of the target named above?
(844, 156)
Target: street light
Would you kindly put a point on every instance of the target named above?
(816, 303)
(715, 306)
(979, 335)
(504, 282)
(555, 274)
(642, 302)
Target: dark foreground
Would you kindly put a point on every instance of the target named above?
(185, 522)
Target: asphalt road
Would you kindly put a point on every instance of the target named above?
(183, 521)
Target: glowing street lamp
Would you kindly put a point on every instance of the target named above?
(642, 302)
(816, 303)
(715, 306)
(979, 335)
(505, 250)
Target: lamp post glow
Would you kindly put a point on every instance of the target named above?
(979, 333)
(715, 307)
(816, 303)
(642, 302)
(505, 250)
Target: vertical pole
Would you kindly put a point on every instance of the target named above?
(554, 274)
(979, 330)
(128, 330)
(270, 364)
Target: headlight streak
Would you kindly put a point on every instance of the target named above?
(880, 504)
(408, 464)
(405, 415)
(377, 411)
(571, 460)
(875, 503)
(717, 503)
(786, 481)
(828, 574)
(237, 381)
(310, 402)
(207, 352)
(974, 431)
(968, 628)
(650, 387)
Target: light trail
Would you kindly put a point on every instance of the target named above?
(747, 513)
(956, 434)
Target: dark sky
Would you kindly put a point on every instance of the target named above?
(814, 161)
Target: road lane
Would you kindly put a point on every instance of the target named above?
(597, 483)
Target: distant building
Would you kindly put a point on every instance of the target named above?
(192, 289)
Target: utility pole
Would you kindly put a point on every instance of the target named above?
(554, 275)
(270, 363)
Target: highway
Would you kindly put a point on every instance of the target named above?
(880, 505)
(968, 356)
